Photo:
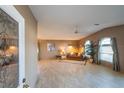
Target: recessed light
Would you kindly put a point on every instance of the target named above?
(96, 24)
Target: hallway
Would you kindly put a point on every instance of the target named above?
(72, 74)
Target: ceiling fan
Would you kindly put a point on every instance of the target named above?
(76, 29)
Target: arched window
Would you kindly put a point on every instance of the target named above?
(105, 50)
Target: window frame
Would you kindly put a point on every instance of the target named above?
(105, 45)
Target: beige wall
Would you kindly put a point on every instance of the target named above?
(30, 44)
(44, 54)
(118, 33)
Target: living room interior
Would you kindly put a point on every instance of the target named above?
(69, 46)
(87, 31)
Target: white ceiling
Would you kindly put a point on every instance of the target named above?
(58, 22)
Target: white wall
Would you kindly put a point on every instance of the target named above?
(30, 44)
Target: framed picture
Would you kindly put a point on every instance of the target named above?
(50, 47)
